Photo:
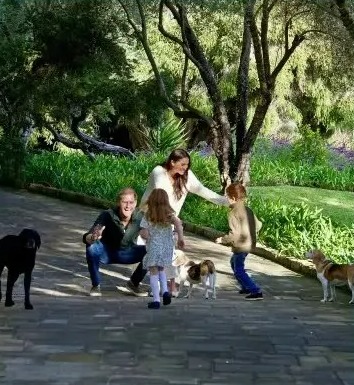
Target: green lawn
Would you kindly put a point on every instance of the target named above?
(338, 205)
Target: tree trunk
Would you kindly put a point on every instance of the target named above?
(236, 155)
(257, 122)
(221, 142)
(243, 170)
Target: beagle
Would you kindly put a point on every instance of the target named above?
(195, 273)
(331, 274)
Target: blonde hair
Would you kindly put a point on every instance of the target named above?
(126, 191)
(236, 191)
(159, 210)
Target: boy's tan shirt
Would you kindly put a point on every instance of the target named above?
(244, 226)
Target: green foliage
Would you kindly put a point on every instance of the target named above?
(165, 137)
(295, 229)
(12, 160)
(278, 172)
(310, 149)
(74, 34)
(290, 228)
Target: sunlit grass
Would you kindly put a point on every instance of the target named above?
(338, 205)
(295, 218)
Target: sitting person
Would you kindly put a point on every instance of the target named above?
(244, 227)
(112, 239)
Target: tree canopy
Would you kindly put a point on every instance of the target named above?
(78, 72)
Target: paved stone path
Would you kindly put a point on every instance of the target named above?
(70, 338)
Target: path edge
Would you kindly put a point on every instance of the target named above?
(299, 266)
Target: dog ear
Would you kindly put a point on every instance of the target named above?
(37, 239)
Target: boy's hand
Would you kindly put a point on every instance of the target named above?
(218, 240)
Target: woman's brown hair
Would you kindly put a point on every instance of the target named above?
(159, 211)
(236, 191)
(179, 181)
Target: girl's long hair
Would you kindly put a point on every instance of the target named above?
(180, 181)
(159, 211)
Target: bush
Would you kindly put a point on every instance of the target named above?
(290, 229)
(296, 229)
(12, 161)
(310, 149)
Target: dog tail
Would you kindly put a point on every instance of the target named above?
(207, 267)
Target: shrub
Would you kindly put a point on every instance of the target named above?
(310, 148)
(296, 229)
(290, 229)
(12, 160)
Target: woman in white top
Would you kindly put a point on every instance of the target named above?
(175, 177)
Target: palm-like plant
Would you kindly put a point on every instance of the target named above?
(165, 137)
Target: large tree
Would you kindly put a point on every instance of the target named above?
(61, 66)
(232, 136)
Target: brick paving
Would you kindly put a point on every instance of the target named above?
(71, 338)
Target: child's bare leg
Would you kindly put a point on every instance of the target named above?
(172, 287)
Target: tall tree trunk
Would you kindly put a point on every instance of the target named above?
(221, 142)
(236, 158)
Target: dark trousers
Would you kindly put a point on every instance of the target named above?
(99, 253)
(237, 262)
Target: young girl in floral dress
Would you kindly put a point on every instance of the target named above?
(157, 229)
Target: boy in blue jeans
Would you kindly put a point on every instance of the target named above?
(244, 227)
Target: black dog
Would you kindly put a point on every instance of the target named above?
(18, 254)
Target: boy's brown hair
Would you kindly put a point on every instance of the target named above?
(236, 191)
(159, 210)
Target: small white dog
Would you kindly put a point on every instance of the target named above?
(195, 273)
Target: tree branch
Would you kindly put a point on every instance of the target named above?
(97, 144)
(178, 17)
(258, 53)
(288, 25)
(142, 37)
(298, 39)
(345, 16)
(264, 38)
(184, 80)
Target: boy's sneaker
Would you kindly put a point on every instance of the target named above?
(136, 290)
(166, 298)
(154, 305)
(244, 291)
(254, 296)
(95, 291)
